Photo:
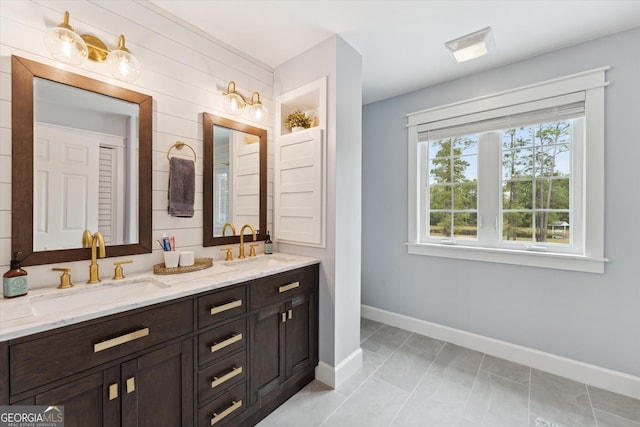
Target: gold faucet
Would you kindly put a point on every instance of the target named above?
(86, 239)
(94, 273)
(253, 231)
(228, 224)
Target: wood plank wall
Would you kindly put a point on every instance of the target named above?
(184, 70)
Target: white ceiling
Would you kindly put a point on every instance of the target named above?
(402, 41)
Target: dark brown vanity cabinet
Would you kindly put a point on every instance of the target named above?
(223, 357)
(283, 328)
(151, 390)
(124, 370)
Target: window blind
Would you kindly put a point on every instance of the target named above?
(543, 111)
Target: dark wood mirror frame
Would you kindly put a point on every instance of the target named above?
(23, 72)
(208, 121)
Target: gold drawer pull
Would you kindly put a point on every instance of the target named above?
(225, 307)
(131, 385)
(120, 340)
(219, 346)
(285, 288)
(226, 377)
(113, 391)
(219, 417)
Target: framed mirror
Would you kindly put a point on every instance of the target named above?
(235, 179)
(81, 159)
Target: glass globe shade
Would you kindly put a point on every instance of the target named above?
(234, 103)
(123, 65)
(259, 113)
(65, 45)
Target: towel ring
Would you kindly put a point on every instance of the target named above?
(180, 145)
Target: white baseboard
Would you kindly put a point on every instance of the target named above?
(617, 382)
(333, 376)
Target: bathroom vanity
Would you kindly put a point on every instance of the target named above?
(222, 346)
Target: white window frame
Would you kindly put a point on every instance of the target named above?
(592, 84)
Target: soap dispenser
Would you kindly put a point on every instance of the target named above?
(268, 245)
(14, 281)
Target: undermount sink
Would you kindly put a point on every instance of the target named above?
(258, 262)
(83, 296)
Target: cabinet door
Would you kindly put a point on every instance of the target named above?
(267, 363)
(300, 343)
(157, 388)
(87, 401)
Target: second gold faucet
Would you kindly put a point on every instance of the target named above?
(253, 231)
(94, 268)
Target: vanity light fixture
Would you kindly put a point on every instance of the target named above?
(65, 45)
(236, 104)
(471, 46)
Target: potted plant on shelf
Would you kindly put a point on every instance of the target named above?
(297, 121)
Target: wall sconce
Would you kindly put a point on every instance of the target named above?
(65, 45)
(471, 46)
(236, 104)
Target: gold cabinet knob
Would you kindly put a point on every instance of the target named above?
(252, 251)
(229, 254)
(118, 272)
(65, 278)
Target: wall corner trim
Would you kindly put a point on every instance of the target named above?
(617, 382)
(334, 376)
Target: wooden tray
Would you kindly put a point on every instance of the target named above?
(200, 264)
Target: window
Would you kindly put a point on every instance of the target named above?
(515, 177)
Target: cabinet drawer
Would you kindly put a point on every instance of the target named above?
(57, 355)
(218, 377)
(281, 287)
(221, 305)
(222, 341)
(223, 410)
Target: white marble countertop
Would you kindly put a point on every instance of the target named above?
(45, 309)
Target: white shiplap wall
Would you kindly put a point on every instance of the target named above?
(183, 69)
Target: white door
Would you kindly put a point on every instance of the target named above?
(66, 166)
(245, 153)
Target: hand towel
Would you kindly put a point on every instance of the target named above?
(182, 187)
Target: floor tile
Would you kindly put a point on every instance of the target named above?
(385, 340)
(440, 397)
(370, 362)
(368, 327)
(428, 344)
(373, 404)
(309, 407)
(610, 420)
(457, 364)
(405, 367)
(559, 400)
(616, 404)
(498, 402)
(506, 369)
(409, 380)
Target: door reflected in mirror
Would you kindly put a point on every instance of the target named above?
(236, 175)
(85, 167)
(234, 179)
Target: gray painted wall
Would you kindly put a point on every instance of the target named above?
(339, 272)
(594, 318)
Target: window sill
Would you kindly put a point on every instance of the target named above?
(516, 257)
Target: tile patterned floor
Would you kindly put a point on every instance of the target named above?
(412, 380)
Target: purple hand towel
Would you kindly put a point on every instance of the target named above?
(182, 187)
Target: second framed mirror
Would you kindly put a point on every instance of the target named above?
(235, 180)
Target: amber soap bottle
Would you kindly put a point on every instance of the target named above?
(268, 245)
(14, 281)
